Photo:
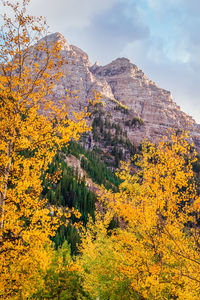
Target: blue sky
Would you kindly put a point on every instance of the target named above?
(162, 37)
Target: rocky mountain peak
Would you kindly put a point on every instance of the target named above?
(80, 54)
(53, 38)
(127, 93)
(118, 66)
(94, 67)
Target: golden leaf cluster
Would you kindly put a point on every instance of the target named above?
(155, 248)
(32, 129)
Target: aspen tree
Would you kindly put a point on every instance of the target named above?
(32, 129)
(157, 245)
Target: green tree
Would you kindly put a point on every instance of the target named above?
(62, 279)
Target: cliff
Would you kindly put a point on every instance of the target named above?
(128, 97)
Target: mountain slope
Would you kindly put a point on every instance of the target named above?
(138, 98)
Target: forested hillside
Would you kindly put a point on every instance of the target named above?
(71, 190)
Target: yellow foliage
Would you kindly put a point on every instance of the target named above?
(156, 244)
(62, 279)
(28, 142)
(101, 261)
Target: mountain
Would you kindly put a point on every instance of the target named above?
(131, 104)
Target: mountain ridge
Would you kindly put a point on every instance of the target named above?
(122, 81)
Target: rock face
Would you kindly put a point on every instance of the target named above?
(137, 96)
(152, 104)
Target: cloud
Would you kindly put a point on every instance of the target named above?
(192, 7)
(64, 14)
(161, 7)
(119, 24)
(110, 31)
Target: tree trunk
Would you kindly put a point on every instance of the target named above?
(4, 185)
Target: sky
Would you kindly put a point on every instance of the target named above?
(162, 37)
